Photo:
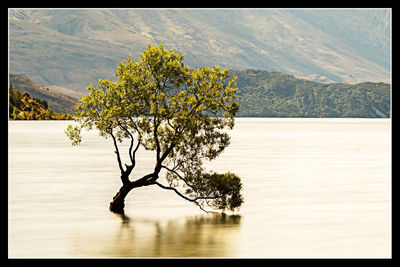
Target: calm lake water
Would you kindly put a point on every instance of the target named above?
(312, 188)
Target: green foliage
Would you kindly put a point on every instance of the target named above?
(22, 107)
(59, 103)
(73, 133)
(274, 94)
(180, 113)
(221, 191)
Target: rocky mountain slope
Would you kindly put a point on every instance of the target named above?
(68, 49)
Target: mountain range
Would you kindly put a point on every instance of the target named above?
(68, 49)
(275, 94)
(265, 94)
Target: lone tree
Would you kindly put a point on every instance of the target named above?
(160, 104)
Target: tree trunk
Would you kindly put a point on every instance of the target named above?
(118, 203)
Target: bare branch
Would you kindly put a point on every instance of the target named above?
(131, 145)
(165, 155)
(156, 138)
(116, 151)
(134, 151)
(177, 174)
(188, 199)
(145, 180)
(134, 124)
(170, 125)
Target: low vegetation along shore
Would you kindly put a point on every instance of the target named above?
(259, 94)
(23, 107)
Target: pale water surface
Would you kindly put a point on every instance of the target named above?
(312, 188)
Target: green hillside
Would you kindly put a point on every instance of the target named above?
(58, 102)
(267, 94)
(274, 94)
(23, 107)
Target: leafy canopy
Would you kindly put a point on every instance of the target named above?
(180, 113)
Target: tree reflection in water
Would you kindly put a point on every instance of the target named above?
(208, 235)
